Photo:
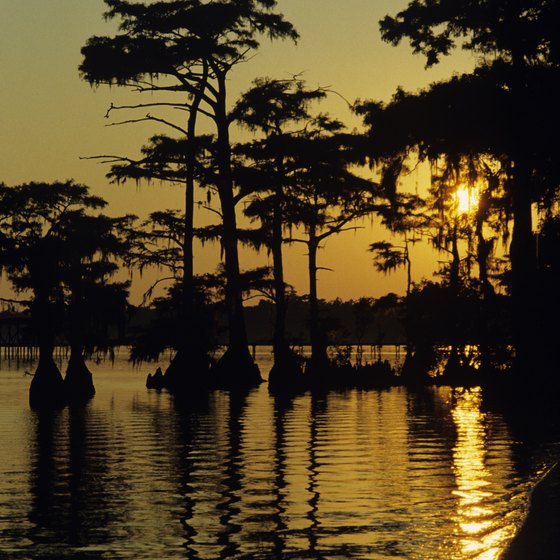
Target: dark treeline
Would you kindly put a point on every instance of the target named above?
(489, 139)
(365, 321)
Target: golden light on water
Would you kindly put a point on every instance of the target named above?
(466, 199)
(480, 536)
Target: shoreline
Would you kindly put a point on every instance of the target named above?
(538, 538)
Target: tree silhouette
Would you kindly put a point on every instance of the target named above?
(190, 48)
(503, 110)
(91, 249)
(277, 110)
(326, 196)
(48, 254)
(175, 161)
(160, 242)
(405, 217)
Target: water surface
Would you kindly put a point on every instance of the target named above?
(352, 475)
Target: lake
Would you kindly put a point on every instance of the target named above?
(358, 474)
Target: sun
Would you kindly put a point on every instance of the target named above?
(466, 199)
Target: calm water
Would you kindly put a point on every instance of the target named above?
(357, 474)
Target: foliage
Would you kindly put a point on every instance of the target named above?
(64, 256)
(164, 332)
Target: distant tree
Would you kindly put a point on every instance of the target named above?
(190, 48)
(325, 198)
(363, 310)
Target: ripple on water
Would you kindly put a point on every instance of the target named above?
(355, 474)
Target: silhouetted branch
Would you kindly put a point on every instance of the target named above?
(150, 118)
(149, 292)
(336, 229)
(114, 107)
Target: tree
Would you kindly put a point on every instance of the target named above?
(48, 253)
(277, 110)
(403, 216)
(325, 197)
(190, 48)
(160, 242)
(175, 161)
(92, 247)
(503, 110)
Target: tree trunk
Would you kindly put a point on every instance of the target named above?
(522, 249)
(483, 248)
(285, 371)
(455, 262)
(236, 367)
(78, 381)
(319, 359)
(189, 367)
(47, 386)
(523, 267)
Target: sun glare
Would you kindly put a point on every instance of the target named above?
(466, 199)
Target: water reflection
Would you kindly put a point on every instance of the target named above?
(355, 475)
(75, 505)
(481, 534)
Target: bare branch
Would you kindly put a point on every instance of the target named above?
(149, 117)
(109, 158)
(209, 208)
(337, 230)
(149, 292)
(113, 107)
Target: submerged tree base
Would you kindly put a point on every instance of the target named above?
(47, 390)
(377, 375)
(79, 380)
(287, 373)
(187, 372)
(235, 369)
(426, 366)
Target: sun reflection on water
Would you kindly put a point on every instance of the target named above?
(480, 535)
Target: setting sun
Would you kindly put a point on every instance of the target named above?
(466, 199)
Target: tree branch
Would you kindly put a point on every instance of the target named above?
(149, 117)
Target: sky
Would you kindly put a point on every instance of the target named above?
(51, 120)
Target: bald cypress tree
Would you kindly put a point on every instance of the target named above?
(54, 249)
(504, 110)
(275, 110)
(188, 48)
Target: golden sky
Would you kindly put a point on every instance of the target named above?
(50, 118)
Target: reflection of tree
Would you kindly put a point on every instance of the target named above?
(93, 511)
(188, 415)
(282, 405)
(317, 406)
(232, 480)
(73, 507)
(45, 513)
